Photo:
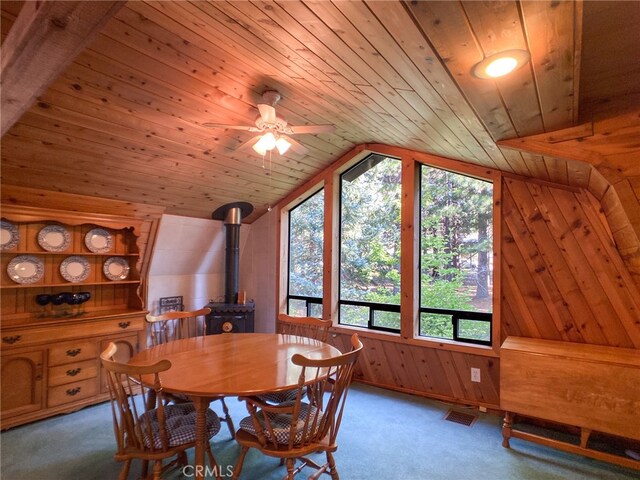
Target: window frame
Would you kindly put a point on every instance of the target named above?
(372, 306)
(456, 315)
(309, 300)
(411, 161)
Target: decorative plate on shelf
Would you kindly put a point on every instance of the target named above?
(116, 268)
(98, 240)
(25, 269)
(54, 238)
(75, 269)
(9, 235)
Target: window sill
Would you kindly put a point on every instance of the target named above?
(439, 344)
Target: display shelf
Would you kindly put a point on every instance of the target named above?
(68, 285)
(39, 339)
(68, 253)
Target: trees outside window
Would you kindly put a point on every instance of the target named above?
(456, 244)
(455, 252)
(370, 244)
(306, 243)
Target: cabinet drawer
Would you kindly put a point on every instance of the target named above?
(72, 352)
(72, 392)
(22, 337)
(72, 372)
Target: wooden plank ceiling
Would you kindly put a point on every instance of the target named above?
(124, 119)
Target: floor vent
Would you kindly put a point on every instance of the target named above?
(461, 418)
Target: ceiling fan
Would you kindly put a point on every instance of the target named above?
(274, 129)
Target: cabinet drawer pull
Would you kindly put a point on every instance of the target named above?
(11, 340)
(124, 324)
(74, 372)
(73, 391)
(74, 352)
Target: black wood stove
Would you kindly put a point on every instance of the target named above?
(230, 316)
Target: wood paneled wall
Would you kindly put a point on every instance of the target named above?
(562, 279)
(422, 370)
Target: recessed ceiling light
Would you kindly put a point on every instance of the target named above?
(501, 64)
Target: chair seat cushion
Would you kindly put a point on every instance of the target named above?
(280, 397)
(281, 424)
(180, 422)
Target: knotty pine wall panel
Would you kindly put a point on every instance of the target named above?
(426, 371)
(562, 279)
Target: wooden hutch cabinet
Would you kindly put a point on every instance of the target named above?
(71, 283)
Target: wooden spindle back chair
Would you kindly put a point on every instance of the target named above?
(305, 327)
(141, 420)
(309, 327)
(171, 326)
(294, 430)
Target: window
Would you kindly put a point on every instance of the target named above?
(456, 245)
(306, 243)
(370, 244)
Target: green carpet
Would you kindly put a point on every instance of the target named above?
(384, 435)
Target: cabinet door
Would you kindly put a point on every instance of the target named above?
(21, 379)
(127, 348)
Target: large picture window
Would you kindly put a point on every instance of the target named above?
(370, 244)
(456, 245)
(306, 243)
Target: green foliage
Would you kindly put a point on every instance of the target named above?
(370, 229)
(456, 243)
(455, 246)
(306, 244)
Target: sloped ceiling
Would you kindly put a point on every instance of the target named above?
(123, 118)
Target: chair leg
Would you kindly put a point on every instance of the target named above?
(124, 473)
(332, 466)
(157, 469)
(144, 469)
(290, 464)
(238, 466)
(228, 419)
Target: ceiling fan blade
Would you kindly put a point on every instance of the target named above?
(296, 146)
(248, 144)
(267, 112)
(231, 127)
(312, 129)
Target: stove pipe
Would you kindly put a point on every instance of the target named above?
(232, 214)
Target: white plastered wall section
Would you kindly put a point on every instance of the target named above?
(188, 260)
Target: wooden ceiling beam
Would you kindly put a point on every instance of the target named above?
(556, 144)
(45, 38)
(612, 139)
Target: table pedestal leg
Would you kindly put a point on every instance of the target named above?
(201, 405)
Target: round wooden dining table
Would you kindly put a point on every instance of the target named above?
(232, 364)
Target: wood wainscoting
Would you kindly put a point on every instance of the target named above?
(423, 370)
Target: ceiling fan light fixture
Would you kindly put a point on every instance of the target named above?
(501, 64)
(282, 145)
(266, 143)
(259, 149)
